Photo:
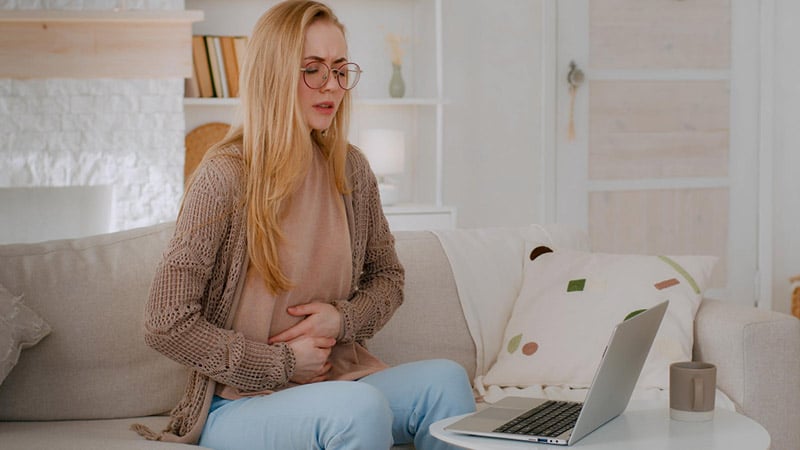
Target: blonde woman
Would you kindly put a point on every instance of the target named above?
(282, 265)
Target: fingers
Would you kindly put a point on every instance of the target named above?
(306, 309)
(290, 333)
(323, 342)
(323, 374)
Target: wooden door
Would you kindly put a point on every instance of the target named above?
(657, 143)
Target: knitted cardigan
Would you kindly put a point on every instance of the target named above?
(192, 299)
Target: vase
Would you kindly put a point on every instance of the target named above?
(397, 87)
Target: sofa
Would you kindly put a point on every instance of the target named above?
(84, 384)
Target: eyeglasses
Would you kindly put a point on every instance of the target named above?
(316, 73)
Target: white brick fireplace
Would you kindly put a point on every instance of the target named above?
(121, 136)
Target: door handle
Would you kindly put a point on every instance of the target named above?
(575, 78)
(575, 75)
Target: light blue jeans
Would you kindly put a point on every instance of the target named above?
(393, 406)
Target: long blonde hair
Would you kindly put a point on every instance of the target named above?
(277, 144)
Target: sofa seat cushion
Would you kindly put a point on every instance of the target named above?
(112, 434)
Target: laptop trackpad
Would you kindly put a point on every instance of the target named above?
(501, 414)
(484, 421)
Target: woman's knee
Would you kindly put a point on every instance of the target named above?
(364, 418)
(363, 402)
(444, 371)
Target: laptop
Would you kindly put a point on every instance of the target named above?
(565, 423)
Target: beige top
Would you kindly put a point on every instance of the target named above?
(315, 255)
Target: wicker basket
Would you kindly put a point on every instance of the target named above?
(198, 141)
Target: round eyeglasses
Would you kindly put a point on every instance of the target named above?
(316, 73)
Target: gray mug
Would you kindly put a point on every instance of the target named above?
(692, 388)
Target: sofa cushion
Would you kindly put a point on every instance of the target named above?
(20, 328)
(92, 292)
(570, 302)
(430, 323)
(112, 434)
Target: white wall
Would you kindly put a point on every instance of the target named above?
(492, 125)
(786, 152)
(123, 133)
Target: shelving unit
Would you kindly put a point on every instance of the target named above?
(419, 114)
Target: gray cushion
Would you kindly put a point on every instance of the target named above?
(92, 292)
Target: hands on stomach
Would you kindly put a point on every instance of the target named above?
(311, 340)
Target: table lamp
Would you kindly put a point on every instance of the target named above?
(385, 151)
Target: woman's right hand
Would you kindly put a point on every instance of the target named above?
(311, 358)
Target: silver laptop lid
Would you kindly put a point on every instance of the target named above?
(619, 370)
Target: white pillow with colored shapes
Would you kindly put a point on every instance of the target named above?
(570, 302)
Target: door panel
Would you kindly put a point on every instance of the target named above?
(669, 34)
(658, 129)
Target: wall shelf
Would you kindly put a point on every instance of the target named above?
(96, 44)
(197, 101)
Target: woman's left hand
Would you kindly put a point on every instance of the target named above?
(321, 320)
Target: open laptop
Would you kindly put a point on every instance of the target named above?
(565, 423)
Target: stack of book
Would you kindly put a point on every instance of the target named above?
(217, 62)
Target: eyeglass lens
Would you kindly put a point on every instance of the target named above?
(316, 75)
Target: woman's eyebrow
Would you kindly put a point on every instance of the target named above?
(321, 59)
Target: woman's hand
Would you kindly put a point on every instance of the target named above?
(311, 358)
(321, 320)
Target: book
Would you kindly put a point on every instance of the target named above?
(190, 87)
(213, 63)
(240, 43)
(231, 66)
(201, 67)
(223, 80)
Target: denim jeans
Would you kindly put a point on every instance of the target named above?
(393, 406)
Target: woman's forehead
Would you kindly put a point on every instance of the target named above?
(324, 40)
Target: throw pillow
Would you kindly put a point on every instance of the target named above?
(570, 302)
(20, 327)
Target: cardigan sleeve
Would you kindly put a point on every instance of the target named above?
(379, 287)
(191, 294)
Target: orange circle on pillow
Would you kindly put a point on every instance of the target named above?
(530, 348)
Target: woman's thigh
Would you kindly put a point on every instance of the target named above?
(330, 415)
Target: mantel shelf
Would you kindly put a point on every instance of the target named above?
(130, 16)
(96, 44)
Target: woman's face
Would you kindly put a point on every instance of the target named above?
(324, 43)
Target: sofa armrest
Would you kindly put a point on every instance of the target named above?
(757, 354)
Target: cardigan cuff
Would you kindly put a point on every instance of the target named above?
(347, 330)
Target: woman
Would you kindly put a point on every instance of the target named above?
(282, 265)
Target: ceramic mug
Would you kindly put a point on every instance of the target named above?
(692, 387)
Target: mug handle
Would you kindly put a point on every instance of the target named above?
(698, 393)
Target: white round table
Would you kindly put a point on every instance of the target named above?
(643, 425)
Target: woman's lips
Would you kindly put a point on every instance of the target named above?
(325, 108)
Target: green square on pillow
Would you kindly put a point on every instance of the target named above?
(576, 285)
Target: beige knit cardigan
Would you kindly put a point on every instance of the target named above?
(192, 299)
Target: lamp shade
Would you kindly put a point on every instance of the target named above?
(385, 150)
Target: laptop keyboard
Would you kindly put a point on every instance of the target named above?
(549, 419)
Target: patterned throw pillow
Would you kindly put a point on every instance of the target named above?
(570, 302)
(20, 327)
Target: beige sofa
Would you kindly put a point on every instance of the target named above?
(83, 385)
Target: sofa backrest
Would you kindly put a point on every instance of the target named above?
(430, 323)
(94, 363)
(92, 292)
